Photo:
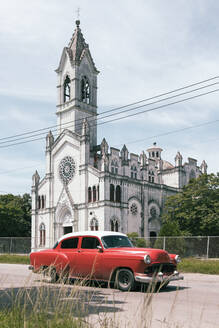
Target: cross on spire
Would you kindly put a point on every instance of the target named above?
(78, 12)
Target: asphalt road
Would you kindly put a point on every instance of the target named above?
(193, 302)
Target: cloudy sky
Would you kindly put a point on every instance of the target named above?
(142, 49)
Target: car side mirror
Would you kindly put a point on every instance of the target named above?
(100, 248)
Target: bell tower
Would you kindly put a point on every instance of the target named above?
(77, 87)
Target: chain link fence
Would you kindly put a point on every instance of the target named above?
(203, 247)
(15, 245)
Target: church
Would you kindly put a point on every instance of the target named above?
(91, 186)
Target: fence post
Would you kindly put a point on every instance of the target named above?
(10, 246)
(208, 241)
(164, 243)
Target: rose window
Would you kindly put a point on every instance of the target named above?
(134, 209)
(67, 169)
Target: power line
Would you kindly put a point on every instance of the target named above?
(171, 132)
(121, 112)
(161, 106)
(127, 110)
(121, 107)
(157, 101)
(130, 115)
(140, 140)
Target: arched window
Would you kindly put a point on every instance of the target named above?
(192, 175)
(153, 212)
(114, 224)
(67, 89)
(112, 167)
(98, 192)
(39, 202)
(151, 176)
(89, 195)
(85, 90)
(112, 190)
(42, 234)
(94, 194)
(94, 225)
(116, 167)
(42, 202)
(133, 172)
(118, 194)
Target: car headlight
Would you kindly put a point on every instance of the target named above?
(177, 259)
(147, 259)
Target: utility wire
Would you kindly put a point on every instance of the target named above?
(121, 112)
(170, 132)
(117, 108)
(161, 106)
(140, 140)
(160, 100)
(130, 115)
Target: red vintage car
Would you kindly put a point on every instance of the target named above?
(106, 256)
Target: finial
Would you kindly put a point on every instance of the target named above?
(154, 143)
(77, 22)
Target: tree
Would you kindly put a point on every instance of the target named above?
(138, 242)
(15, 215)
(195, 210)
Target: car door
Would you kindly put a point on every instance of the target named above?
(69, 248)
(89, 258)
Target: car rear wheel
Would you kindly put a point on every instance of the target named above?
(124, 280)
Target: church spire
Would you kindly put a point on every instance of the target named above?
(77, 87)
(77, 46)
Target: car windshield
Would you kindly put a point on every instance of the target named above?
(116, 241)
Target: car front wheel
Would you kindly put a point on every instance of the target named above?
(53, 275)
(124, 280)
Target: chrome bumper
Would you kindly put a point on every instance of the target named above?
(160, 277)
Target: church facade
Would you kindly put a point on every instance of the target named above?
(96, 187)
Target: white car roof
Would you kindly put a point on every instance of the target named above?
(99, 234)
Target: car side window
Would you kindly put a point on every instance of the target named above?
(90, 243)
(70, 243)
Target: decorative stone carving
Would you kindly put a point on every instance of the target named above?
(67, 169)
(35, 179)
(49, 140)
(134, 209)
(178, 159)
(104, 148)
(204, 167)
(124, 155)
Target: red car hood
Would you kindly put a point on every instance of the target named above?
(157, 255)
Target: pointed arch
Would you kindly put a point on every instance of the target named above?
(112, 192)
(39, 202)
(114, 224)
(67, 89)
(94, 194)
(192, 175)
(94, 225)
(118, 194)
(42, 230)
(85, 90)
(89, 195)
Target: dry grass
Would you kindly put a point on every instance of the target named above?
(73, 305)
(69, 306)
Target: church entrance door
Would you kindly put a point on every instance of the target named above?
(67, 230)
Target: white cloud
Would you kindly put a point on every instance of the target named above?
(142, 49)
